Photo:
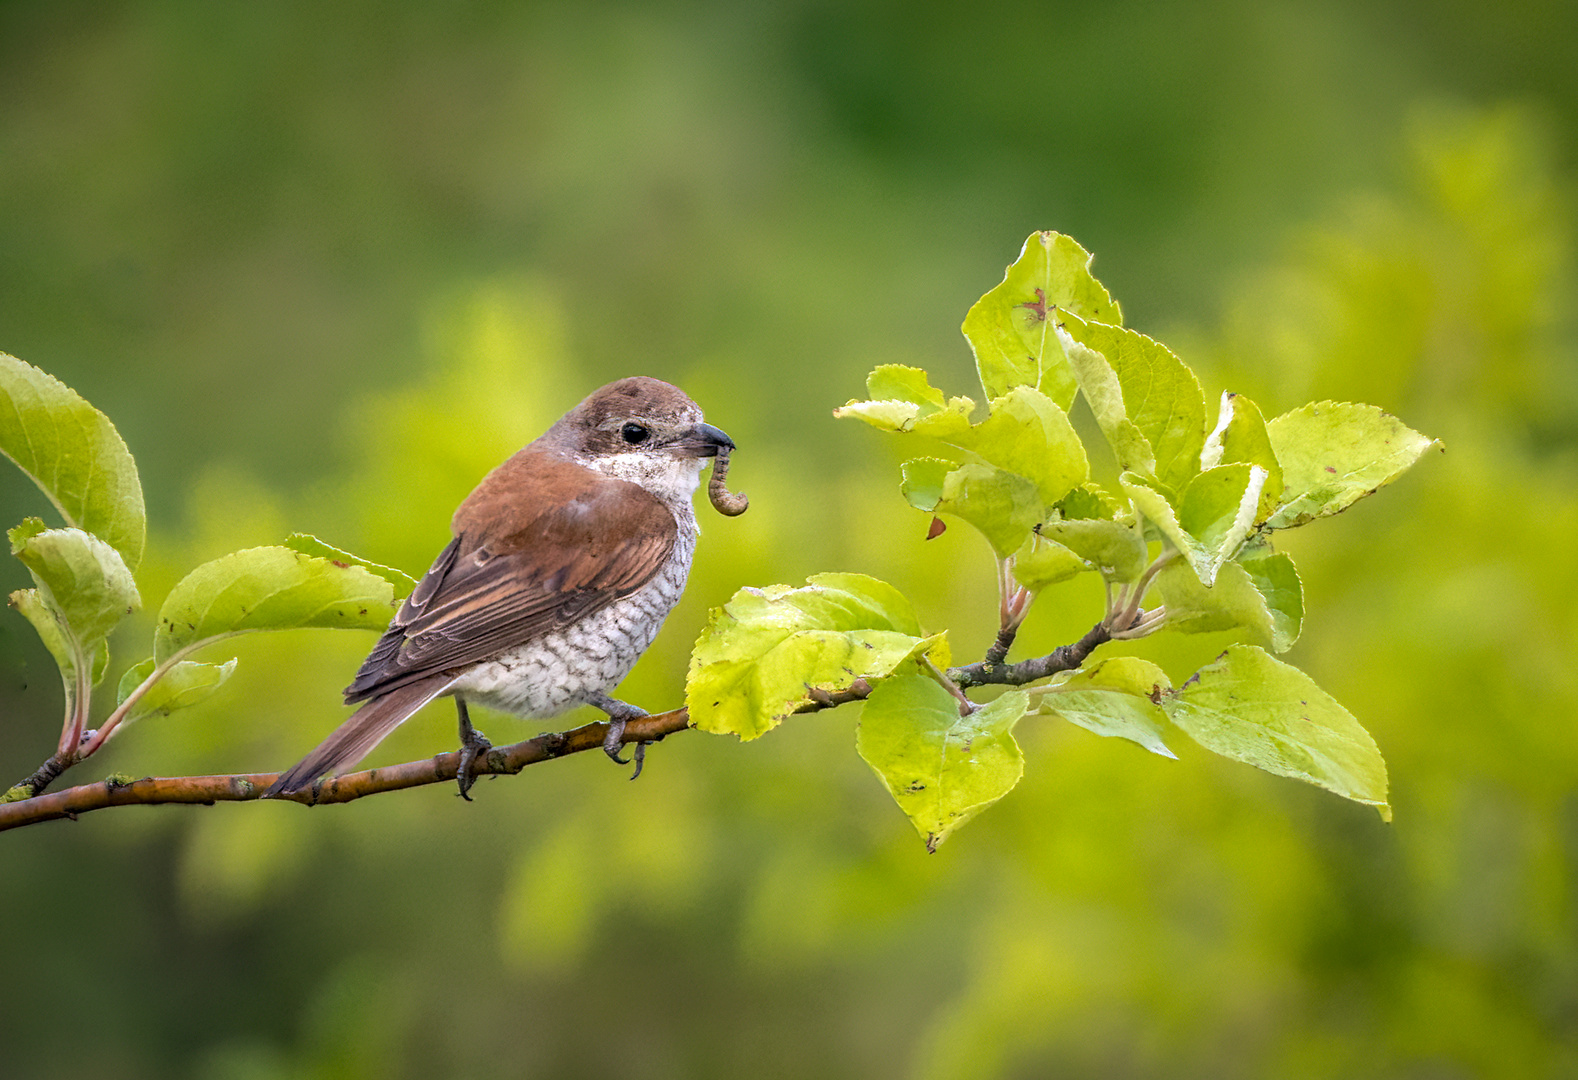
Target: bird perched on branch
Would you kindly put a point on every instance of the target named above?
(565, 561)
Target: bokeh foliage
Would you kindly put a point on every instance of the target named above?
(326, 264)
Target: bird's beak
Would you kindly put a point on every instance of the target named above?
(701, 440)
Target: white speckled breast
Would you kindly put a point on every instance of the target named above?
(561, 670)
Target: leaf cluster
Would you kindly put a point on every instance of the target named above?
(84, 584)
(1189, 524)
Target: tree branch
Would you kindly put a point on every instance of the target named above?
(502, 760)
(157, 790)
(1062, 658)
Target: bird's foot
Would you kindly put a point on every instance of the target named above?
(472, 744)
(619, 715)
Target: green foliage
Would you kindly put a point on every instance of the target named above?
(1334, 454)
(82, 590)
(310, 545)
(1117, 697)
(74, 454)
(1010, 328)
(1114, 549)
(1146, 401)
(1262, 596)
(766, 650)
(269, 588)
(82, 574)
(1252, 707)
(186, 683)
(1002, 505)
(1192, 519)
(941, 764)
(1015, 464)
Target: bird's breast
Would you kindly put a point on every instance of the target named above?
(560, 670)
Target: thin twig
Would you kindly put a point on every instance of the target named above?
(1063, 658)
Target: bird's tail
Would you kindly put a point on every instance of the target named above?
(363, 729)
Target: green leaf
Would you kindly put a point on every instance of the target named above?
(1240, 435)
(1041, 563)
(1260, 592)
(269, 588)
(1218, 510)
(1025, 433)
(80, 577)
(763, 652)
(902, 400)
(1232, 603)
(1253, 708)
(308, 544)
(74, 454)
(1114, 549)
(1103, 391)
(942, 769)
(1009, 329)
(100, 662)
(1156, 507)
(186, 683)
(923, 481)
(1002, 505)
(1333, 454)
(1114, 698)
(1276, 579)
(897, 382)
(1216, 515)
(1146, 400)
(1089, 501)
(30, 604)
(1029, 435)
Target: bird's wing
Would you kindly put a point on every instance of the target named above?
(552, 561)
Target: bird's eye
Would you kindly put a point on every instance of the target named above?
(634, 433)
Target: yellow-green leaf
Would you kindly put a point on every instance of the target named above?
(269, 588)
(1251, 707)
(763, 652)
(308, 544)
(1002, 505)
(1146, 400)
(1240, 435)
(74, 454)
(1115, 698)
(80, 577)
(1010, 328)
(186, 683)
(1333, 454)
(941, 768)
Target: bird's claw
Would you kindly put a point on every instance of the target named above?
(619, 715)
(472, 745)
(616, 739)
(468, 760)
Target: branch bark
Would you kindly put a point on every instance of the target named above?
(1062, 658)
(207, 790)
(499, 761)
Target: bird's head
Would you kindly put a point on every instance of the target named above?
(642, 430)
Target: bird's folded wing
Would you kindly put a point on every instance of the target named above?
(496, 587)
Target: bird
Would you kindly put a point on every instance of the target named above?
(564, 562)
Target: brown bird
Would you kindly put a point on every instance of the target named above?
(565, 561)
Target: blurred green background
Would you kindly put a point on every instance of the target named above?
(325, 264)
